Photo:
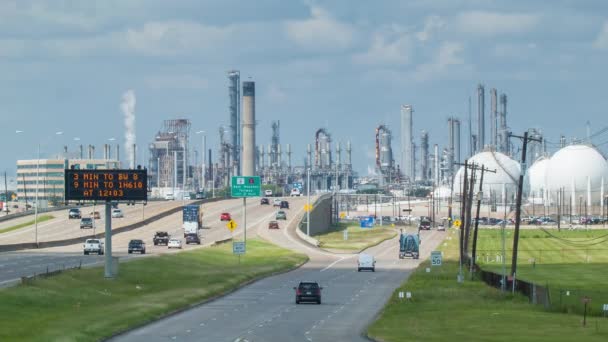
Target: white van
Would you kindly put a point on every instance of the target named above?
(295, 192)
(366, 262)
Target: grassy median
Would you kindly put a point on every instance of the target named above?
(81, 305)
(358, 238)
(442, 309)
(41, 218)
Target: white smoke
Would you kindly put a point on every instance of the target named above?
(128, 109)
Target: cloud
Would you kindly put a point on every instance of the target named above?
(188, 82)
(386, 50)
(431, 25)
(320, 31)
(486, 23)
(601, 42)
(449, 54)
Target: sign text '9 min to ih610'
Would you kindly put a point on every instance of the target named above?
(106, 185)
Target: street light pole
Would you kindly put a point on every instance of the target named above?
(308, 201)
(36, 204)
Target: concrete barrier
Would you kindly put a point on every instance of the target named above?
(320, 219)
(67, 242)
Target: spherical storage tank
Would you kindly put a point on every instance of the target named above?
(576, 167)
(505, 178)
(535, 182)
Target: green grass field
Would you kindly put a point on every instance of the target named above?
(442, 309)
(41, 219)
(358, 238)
(81, 305)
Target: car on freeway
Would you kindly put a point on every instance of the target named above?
(264, 200)
(161, 238)
(200, 195)
(93, 246)
(268, 192)
(74, 213)
(169, 197)
(193, 238)
(441, 227)
(277, 202)
(95, 215)
(284, 205)
(308, 291)
(187, 197)
(137, 246)
(281, 215)
(273, 225)
(295, 192)
(366, 262)
(175, 243)
(86, 222)
(117, 213)
(424, 225)
(225, 217)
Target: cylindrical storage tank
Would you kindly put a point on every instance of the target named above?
(573, 168)
(248, 157)
(507, 174)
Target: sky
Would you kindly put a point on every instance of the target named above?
(343, 65)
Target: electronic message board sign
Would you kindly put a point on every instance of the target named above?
(106, 185)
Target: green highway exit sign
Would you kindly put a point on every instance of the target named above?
(246, 186)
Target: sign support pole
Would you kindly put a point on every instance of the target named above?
(108, 243)
(244, 222)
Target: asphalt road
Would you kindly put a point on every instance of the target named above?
(14, 265)
(266, 311)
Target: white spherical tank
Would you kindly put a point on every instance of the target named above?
(579, 170)
(535, 184)
(442, 192)
(505, 178)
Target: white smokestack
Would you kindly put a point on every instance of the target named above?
(128, 109)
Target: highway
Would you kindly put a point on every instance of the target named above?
(14, 265)
(265, 310)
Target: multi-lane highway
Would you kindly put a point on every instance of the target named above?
(265, 310)
(14, 265)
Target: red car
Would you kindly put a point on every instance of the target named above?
(273, 225)
(225, 217)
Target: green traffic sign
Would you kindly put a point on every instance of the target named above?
(246, 186)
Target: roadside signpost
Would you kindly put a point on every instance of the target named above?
(238, 248)
(231, 225)
(436, 258)
(457, 223)
(245, 186)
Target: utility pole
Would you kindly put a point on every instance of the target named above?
(518, 199)
(467, 231)
(462, 219)
(479, 198)
(6, 192)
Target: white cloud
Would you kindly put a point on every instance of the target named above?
(189, 82)
(601, 42)
(386, 50)
(486, 23)
(431, 25)
(449, 54)
(320, 31)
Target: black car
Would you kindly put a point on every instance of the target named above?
(74, 213)
(284, 205)
(308, 291)
(426, 225)
(264, 201)
(193, 238)
(137, 246)
(161, 238)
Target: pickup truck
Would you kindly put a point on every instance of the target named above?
(161, 238)
(93, 246)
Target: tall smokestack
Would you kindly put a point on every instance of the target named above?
(407, 149)
(65, 151)
(134, 147)
(262, 157)
(279, 159)
(481, 123)
(503, 124)
(289, 156)
(348, 155)
(450, 148)
(436, 162)
(105, 151)
(81, 152)
(456, 142)
(234, 79)
(424, 161)
(91, 151)
(338, 155)
(494, 119)
(269, 156)
(248, 158)
(118, 154)
(309, 156)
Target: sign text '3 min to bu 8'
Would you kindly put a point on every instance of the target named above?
(106, 185)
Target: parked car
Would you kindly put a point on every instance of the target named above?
(225, 217)
(161, 238)
(117, 213)
(366, 262)
(308, 291)
(193, 238)
(281, 215)
(277, 202)
(273, 225)
(264, 200)
(284, 205)
(74, 213)
(95, 215)
(137, 246)
(268, 192)
(175, 243)
(93, 246)
(86, 222)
